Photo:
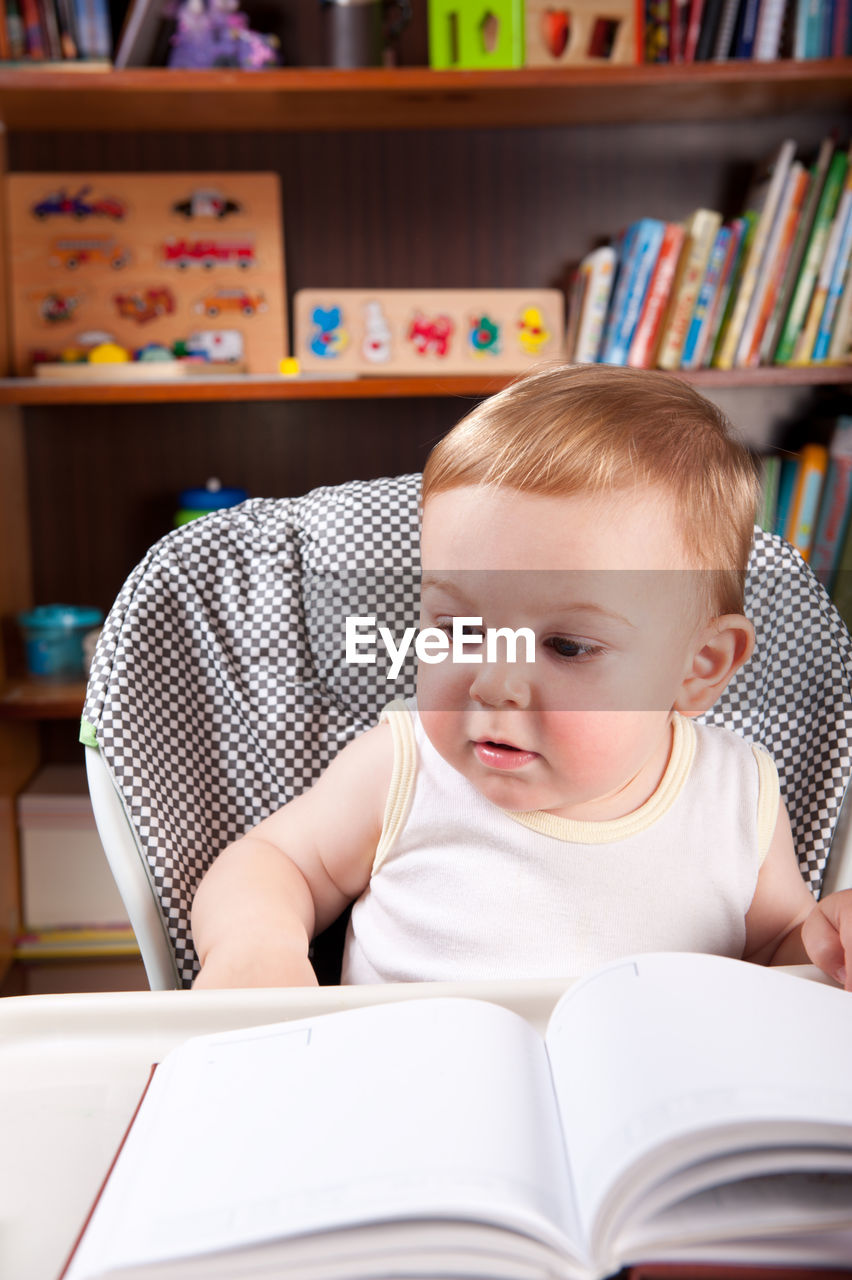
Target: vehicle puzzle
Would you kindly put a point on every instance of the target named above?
(143, 267)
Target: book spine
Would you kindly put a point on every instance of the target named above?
(624, 266)
(657, 30)
(710, 19)
(803, 353)
(601, 268)
(649, 324)
(770, 471)
(836, 284)
(748, 29)
(835, 506)
(15, 31)
(643, 255)
(693, 30)
(840, 30)
(841, 338)
(694, 344)
(765, 203)
(823, 218)
(775, 263)
(724, 320)
(767, 39)
(33, 36)
(786, 487)
(813, 464)
(730, 272)
(725, 33)
(701, 233)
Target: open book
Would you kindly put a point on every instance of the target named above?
(681, 1107)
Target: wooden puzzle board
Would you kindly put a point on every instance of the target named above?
(431, 331)
(143, 259)
(590, 33)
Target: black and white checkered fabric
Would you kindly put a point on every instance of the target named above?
(219, 688)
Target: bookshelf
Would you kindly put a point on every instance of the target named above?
(390, 178)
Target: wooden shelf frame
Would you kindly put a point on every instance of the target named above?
(298, 99)
(32, 391)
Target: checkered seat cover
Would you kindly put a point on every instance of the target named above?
(219, 688)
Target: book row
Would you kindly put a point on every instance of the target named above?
(756, 30)
(769, 286)
(68, 31)
(806, 497)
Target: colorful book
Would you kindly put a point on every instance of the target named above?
(786, 488)
(818, 173)
(649, 325)
(694, 345)
(764, 198)
(840, 347)
(701, 228)
(839, 275)
(725, 32)
(835, 505)
(746, 29)
(806, 282)
(770, 474)
(771, 273)
(599, 266)
(657, 30)
(742, 229)
(639, 250)
(806, 342)
(807, 34)
(34, 38)
(801, 523)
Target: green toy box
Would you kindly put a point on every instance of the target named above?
(476, 34)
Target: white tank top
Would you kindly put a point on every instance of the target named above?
(463, 890)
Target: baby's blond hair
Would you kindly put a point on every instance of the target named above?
(566, 429)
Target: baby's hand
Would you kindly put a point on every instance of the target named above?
(827, 936)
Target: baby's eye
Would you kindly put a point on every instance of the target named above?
(566, 648)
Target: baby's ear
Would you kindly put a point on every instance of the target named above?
(722, 646)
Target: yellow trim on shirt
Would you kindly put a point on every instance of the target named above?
(607, 832)
(768, 800)
(398, 716)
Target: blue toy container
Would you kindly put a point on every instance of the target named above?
(53, 639)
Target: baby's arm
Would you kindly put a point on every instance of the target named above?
(267, 894)
(784, 924)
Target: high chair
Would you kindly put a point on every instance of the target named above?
(219, 690)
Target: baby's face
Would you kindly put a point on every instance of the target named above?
(581, 726)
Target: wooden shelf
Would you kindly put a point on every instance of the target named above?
(24, 699)
(33, 391)
(297, 99)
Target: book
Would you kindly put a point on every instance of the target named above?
(726, 30)
(763, 199)
(446, 1137)
(806, 282)
(710, 18)
(804, 351)
(818, 172)
(741, 230)
(141, 33)
(599, 267)
(649, 325)
(835, 505)
(778, 249)
(701, 228)
(639, 250)
(693, 30)
(839, 273)
(746, 29)
(840, 347)
(767, 36)
(804, 502)
(770, 474)
(707, 293)
(786, 488)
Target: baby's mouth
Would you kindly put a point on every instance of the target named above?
(502, 755)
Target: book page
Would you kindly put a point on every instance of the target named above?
(683, 1056)
(431, 1108)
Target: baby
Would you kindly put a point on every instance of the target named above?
(547, 802)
